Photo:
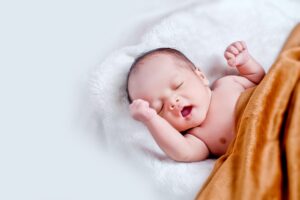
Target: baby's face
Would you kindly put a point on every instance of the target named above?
(177, 92)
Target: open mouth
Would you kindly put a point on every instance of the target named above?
(186, 111)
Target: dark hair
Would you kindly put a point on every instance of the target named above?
(171, 51)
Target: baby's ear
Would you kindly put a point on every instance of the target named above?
(202, 76)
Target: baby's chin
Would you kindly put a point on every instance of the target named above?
(189, 125)
(196, 121)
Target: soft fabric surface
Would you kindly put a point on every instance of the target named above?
(264, 160)
(202, 31)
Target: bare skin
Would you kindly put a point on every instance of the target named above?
(170, 98)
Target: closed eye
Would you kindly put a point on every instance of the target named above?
(162, 107)
(179, 85)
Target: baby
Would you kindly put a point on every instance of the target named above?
(171, 96)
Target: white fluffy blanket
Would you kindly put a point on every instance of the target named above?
(202, 32)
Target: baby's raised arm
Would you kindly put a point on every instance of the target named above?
(237, 55)
(186, 148)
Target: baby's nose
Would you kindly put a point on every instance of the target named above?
(173, 103)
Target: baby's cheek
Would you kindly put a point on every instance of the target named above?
(166, 117)
(175, 122)
(178, 124)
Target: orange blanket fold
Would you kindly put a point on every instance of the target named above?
(263, 162)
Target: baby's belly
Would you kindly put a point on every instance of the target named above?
(216, 138)
(218, 131)
(218, 145)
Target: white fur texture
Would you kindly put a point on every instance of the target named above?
(202, 33)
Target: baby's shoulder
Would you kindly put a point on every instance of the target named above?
(225, 81)
(232, 81)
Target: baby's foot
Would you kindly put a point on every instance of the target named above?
(237, 54)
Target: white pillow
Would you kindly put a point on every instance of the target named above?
(202, 33)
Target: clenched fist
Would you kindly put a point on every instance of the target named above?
(141, 111)
(237, 54)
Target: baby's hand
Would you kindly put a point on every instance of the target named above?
(237, 54)
(141, 111)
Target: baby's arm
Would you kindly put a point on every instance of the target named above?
(186, 148)
(237, 55)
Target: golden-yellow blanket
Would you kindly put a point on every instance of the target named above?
(263, 162)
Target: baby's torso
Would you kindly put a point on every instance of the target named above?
(217, 131)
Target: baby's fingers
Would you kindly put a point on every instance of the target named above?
(244, 45)
(141, 111)
(138, 103)
(232, 49)
(228, 55)
(231, 62)
(230, 58)
(239, 46)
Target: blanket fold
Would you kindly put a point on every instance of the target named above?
(263, 162)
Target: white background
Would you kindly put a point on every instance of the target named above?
(49, 143)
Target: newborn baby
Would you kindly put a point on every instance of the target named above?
(188, 119)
